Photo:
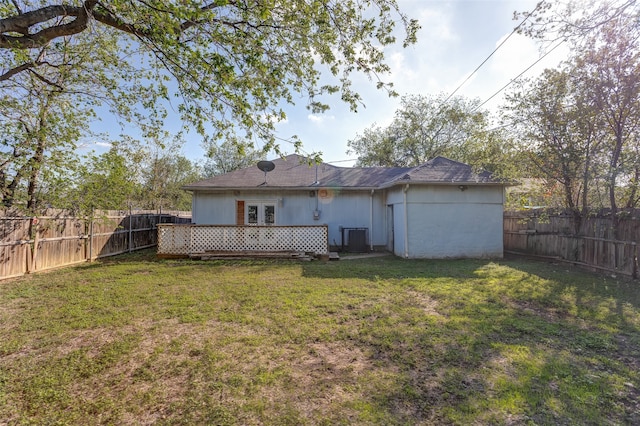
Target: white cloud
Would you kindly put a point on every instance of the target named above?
(272, 118)
(514, 56)
(436, 22)
(319, 118)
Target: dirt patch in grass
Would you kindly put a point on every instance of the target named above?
(427, 303)
(328, 376)
(149, 373)
(330, 362)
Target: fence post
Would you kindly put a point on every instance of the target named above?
(91, 235)
(634, 274)
(130, 231)
(33, 234)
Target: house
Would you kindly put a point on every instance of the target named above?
(440, 209)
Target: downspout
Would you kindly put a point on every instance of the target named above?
(371, 220)
(316, 212)
(194, 210)
(406, 220)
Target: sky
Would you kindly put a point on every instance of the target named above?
(455, 38)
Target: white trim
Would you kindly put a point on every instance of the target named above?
(406, 221)
(261, 204)
(371, 220)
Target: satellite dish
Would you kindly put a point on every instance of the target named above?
(266, 166)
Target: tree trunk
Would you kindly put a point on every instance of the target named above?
(36, 164)
(9, 191)
(613, 177)
(631, 200)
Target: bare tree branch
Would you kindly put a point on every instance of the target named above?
(46, 80)
(16, 70)
(17, 6)
(21, 24)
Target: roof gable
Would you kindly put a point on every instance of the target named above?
(294, 171)
(444, 170)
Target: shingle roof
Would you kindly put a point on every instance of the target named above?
(443, 170)
(294, 171)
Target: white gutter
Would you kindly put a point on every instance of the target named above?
(406, 220)
(194, 218)
(371, 220)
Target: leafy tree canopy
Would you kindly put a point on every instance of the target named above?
(583, 121)
(163, 173)
(428, 126)
(574, 20)
(230, 62)
(230, 155)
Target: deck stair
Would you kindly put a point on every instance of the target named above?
(249, 254)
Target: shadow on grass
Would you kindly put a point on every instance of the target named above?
(394, 268)
(477, 341)
(566, 277)
(139, 258)
(502, 341)
(559, 277)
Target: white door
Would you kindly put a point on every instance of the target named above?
(390, 242)
(263, 214)
(260, 214)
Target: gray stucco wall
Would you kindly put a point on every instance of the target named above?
(445, 222)
(350, 209)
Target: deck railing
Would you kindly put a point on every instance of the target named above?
(185, 240)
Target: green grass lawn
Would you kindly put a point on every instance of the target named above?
(136, 340)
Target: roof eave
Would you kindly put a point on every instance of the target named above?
(441, 183)
(344, 188)
(279, 188)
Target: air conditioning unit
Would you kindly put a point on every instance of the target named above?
(357, 241)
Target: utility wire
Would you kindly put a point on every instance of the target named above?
(341, 161)
(494, 51)
(519, 75)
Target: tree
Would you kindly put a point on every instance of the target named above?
(128, 174)
(108, 181)
(561, 131)
(37, 128)
(425, 127)
(163, 175)
(78, 183)
(48, 106)
(572, 20)
(610, 70)
(600, 112)
(230, 155)
(221, 64)
(232, 62)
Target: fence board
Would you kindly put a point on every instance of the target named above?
(588, 241)
(56, 238)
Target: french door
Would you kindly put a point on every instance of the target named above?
(260, 213)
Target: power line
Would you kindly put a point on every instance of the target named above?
(519, 75)
(494, 51)
(341, 161)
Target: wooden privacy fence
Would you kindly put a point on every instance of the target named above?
(55, 239)
(588, 241)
